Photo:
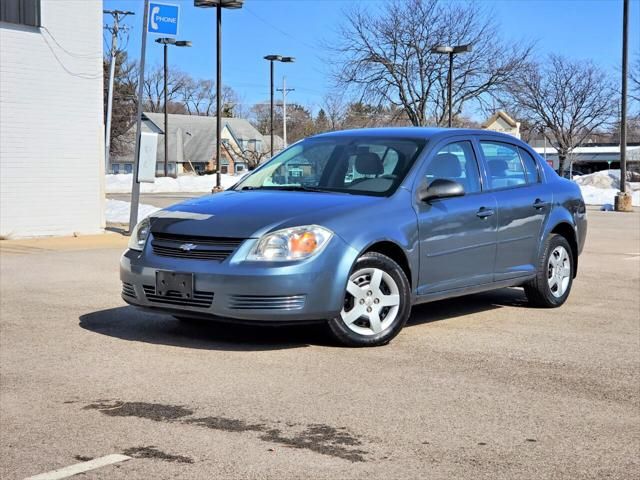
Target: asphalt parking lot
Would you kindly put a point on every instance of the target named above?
(476, 387)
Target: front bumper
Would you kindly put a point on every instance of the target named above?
(311, 289)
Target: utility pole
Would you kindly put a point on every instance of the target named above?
(118, 16)
(623, 199)
(284, 91)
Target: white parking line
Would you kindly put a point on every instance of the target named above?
(66, 472)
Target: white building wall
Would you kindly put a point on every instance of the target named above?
(51, 123)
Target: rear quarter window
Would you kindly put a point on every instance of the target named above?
(530, 166)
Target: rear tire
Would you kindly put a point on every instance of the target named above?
(377, 303)
(552, 284)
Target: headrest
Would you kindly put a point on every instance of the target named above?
(445, 165)
(369, 163)
(498, 168)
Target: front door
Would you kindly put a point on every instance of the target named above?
(457, 235)
(524, 203)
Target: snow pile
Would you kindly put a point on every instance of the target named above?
(121, 183)
(117, 211)
(600, 188)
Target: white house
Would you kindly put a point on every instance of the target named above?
(51, 118)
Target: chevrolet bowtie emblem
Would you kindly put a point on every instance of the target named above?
(187, 247)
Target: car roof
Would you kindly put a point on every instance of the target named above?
(427, 133)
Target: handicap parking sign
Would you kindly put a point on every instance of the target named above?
(163, 18)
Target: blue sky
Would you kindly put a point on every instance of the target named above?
(581, 29)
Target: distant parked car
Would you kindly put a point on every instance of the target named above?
(380, 220)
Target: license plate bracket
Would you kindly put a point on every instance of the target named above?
(174, 284)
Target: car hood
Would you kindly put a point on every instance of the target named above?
(249, 214)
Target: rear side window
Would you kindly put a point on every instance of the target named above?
(530, 166)
(456, 161)
(503, 164)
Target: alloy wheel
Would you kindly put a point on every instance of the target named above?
(559, 271)
(372, 301)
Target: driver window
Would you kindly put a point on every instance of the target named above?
(456, 161)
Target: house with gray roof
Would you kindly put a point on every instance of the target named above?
(192, 144)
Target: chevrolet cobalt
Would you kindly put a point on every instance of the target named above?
(352, 228)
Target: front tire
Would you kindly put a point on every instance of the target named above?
(377, 303)
(552, 284)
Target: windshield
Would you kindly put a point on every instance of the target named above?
(356, 165)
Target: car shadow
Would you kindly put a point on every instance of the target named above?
(132, 324)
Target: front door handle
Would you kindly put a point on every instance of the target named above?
(484, 212)
(538, 204)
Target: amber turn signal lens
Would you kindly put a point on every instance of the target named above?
(304, 244)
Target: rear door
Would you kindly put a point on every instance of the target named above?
(524, 202)
(457, 235)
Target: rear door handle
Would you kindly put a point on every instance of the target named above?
(484, 212)
(538, 204)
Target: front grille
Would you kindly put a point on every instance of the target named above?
(199, 299)
(264, 302)
(128, 290)
(196, 248)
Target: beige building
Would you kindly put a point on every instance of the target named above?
(501, 122)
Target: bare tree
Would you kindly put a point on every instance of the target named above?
(567, 100)
(335, 109)
(386, 56)
(154, 90)
(252, 156)
(634, 81)
(199, 98)
(125, 102)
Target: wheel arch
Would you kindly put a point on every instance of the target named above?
(566, 230)
(396, 253)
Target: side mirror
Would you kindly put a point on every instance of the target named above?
(440, 188)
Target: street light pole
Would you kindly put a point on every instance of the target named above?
(450, 88)
(451, 51)
(271, 109)
(219, 4)
(218, 94)
(166, 115)
(623, 200)
(271, 59)
(178, 43)
(135, 186)
(623, 102)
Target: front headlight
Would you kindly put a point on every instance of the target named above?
(139, 235)
(294, 243)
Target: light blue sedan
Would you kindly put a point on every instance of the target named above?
(352, 228)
